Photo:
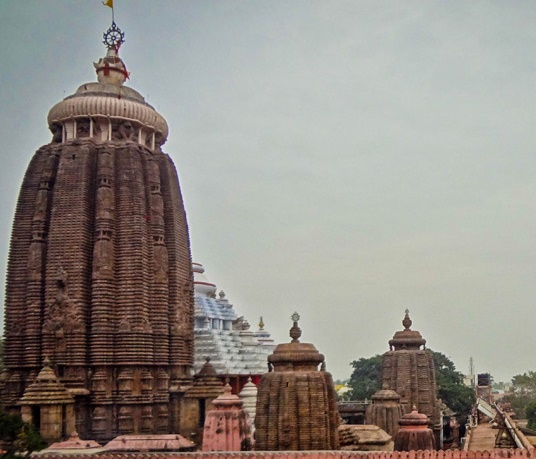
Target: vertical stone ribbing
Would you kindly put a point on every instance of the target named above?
(99, 276)
(159, 267)
(16, 309)
(133, 342)
(296, 403)
(180, 307)
(35, 301)
(68, 265)
(410, 372)
(103, 269)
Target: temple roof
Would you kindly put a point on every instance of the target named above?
(109, 97)
(407, 339)
(46, 389)
(233, 348)
(227, 400)
(295, 355)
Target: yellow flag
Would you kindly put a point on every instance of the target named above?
(109, 3)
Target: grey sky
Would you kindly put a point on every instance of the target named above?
(345, 159)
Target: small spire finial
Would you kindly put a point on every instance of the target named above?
(295, 331)
(407, 321)
(261, 324)
(113, 37)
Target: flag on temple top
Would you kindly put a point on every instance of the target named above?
(109, 3)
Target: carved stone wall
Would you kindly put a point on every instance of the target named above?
(99, 280)
(296, 402)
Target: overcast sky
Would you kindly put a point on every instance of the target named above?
(344, 159)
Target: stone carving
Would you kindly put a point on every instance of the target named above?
(62, 314)
(296, 404)
(124, 131)
(117, 214)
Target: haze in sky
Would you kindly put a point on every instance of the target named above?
(343, 159)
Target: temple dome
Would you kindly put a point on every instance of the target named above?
(202, 285)
(407, 338)
(108, 100)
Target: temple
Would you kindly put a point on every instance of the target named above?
(408, 369)
(99, 275)
(236, 352)
(296, 402)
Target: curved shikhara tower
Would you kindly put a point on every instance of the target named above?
(296, 402)
(99, 275)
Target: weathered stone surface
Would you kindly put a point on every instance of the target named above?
(198, 402)
(495, 454)
(408, 369)
(385, 411)
(149, 443)
(99, 273)
(414, 433)
(226, 426)
(296, 403)
(364, 437)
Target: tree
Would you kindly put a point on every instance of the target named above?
(18, 436)
(524, 391)
(365, 379)
(450, 387)
(530, 413)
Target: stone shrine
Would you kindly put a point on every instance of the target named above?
(296, 401)
(410, 372)
(99, 274)
(385, 411)
(414, 433)
(236, 352)
(226, 426)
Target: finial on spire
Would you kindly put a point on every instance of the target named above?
(407, 321)
(261, 324)
(114, 37)
(111, 69)
(295, 331)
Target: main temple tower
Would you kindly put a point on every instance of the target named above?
(99, 273)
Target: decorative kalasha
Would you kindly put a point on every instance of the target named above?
(99, 276)
(226, 426)
(408, 369)
(296, 402)
(414, 433)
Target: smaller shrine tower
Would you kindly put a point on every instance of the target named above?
(296, 402)
(408, 369)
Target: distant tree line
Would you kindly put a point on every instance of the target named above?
(523, 397)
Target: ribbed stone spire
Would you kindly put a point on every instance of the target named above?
(408, 369)
(296, 402)
(99, 276)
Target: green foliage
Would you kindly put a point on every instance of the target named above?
(530, 413)
(450, 387)
(18, 437)
(365, 379)
(524, 392)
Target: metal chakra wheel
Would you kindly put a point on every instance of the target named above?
(113, 37)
